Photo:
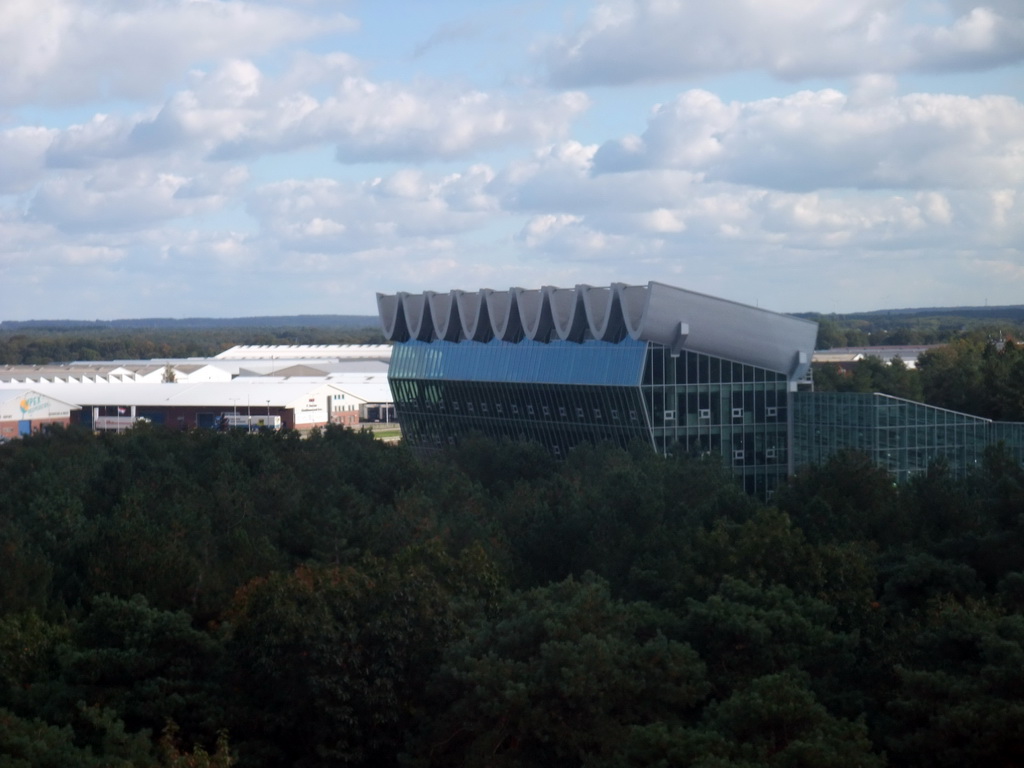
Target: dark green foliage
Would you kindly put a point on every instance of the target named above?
(559, 679)
(847, 498)
(32, 743)
(147, 665)
(984, 377)
(915, 326)
(871, 374)
(331, 664)
(975, 374)
(194, 599)
(38, 344)
(959, 693)
(746, 632)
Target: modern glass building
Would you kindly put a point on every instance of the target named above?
(681, 371)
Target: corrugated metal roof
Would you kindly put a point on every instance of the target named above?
(295, 352)
(282, 393)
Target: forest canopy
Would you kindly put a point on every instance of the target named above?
(205, 598)
(41, 344)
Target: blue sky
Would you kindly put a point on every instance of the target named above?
(183, 158)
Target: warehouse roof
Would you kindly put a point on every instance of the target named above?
(306, 352)
(281, 393)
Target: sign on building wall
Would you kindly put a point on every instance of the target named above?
(311, 411)
(31, 407)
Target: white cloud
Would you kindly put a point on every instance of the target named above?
(22, 157)
(235, 112)
(128, 196)
(1003, 203)
(370, 121)
(628, 41)
(560, 177)
(328, 216)
(980, 39)
(564, 237)
(63, 51)
(821, 139)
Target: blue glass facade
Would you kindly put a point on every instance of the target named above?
(523, 362)
(564, 393)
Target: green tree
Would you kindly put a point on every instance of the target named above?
(952, 376)
(144, 665)
(558, 678)
(959, 688)
(331, 663)
(743, 632)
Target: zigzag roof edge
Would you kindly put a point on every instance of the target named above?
(392, 316)
(674, 317)
(417, 316)
(503, 311)
(444, 311)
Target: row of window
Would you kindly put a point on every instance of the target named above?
(529, 411)
(771, 413)
(691, 368)
(704, 414)
(521, 402)
(423, 430)
(627, 362)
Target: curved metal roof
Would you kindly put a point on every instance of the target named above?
(677, 318)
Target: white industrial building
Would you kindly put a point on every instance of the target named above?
(300, 404)
(276, 387)
(24, 411)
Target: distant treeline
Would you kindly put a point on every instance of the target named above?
(206, 599)
(973, 374)
(39, 345)
(916, 326)
(245, 323)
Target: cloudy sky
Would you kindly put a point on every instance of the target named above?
(217, 158)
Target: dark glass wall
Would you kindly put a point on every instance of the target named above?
(701, 404)
(559, 394)
(564, 393)
(901, 436)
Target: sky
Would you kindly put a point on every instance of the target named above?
(223, 158)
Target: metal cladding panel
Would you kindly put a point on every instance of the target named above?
(535, 312)
(473, 312)
(568, 312)
(444, 311)
(673, 317)
(417, 316)
(603, 309)
(503, 309)
(392, 317)
(729, 330)
(633, 301)
(597, 302)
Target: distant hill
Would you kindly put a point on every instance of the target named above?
(1013, 313)
(925, 325)
(166, 323)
